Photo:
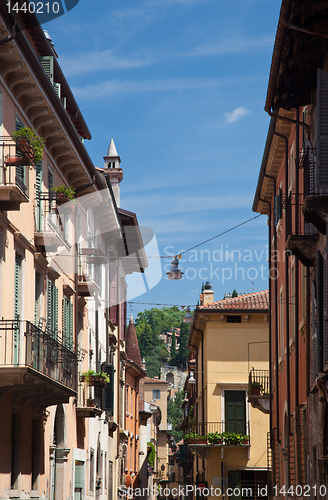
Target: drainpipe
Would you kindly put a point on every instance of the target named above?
(297, 267)
(9, 38)
(275, 315)
(286, 280)
(270, 326)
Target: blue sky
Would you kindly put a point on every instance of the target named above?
(180, 86)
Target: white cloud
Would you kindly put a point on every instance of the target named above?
(230, 46)
(236, 114)
(111, 87)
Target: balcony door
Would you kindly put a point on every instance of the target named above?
(235, 411)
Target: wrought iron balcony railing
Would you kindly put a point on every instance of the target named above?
(230, 433)
(13, 172)
(259, 382)
(49, 222)
(26, 345)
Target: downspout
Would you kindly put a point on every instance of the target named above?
(286, 119)
(270, 326)
(286, 280)
(275, 315)
(297, 267)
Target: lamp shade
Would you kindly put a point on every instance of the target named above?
(175, 273)
(191, 379)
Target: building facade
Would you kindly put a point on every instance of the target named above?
(62, 284)
(292, 191)
(227, 436)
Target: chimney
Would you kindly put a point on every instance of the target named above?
(113, 169)
(207, 297)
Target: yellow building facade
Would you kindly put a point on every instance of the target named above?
(226, 434)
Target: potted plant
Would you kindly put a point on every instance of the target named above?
(93, 378)
(201, 440)
(64, 193)
(255, 389)
(90, 402)
(246, 439)
(29, 143)
(215, 438)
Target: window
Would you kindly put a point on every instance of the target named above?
(156, 394)
(235, 411)
(92, 470)
(233, 319)
(67, 323)
(281, 323)
(278, 207)
(52, 308)
(171, 461)
(127, 400)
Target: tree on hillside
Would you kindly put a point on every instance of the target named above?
(175, 414)
(173, 345)
(150, 324)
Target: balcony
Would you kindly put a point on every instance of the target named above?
(51, 227)
(35, 365)
(259, 390)
(315, 190)
(89, 271)
(14, 172)
(202, 436)
(301, 235)
(87, 407)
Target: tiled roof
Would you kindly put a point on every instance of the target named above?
(131, 344)
(257, 301)
(149, 380)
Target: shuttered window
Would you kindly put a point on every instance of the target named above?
(52, 309)
(235, 411)
(314, 331)
(325, 315)
(108, 390)
(234, 482)
(47, 63)
(20, 169)
(67, 323)
(321, 177)
(278, 207)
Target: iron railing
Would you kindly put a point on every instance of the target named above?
(26, 345)
(48, 219)
(205, 428)
(293, 209)
(13, 165)
(260, 379)
(90, 264)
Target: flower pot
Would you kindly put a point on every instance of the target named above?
(245, 441)
(255, 390)
(15, 160)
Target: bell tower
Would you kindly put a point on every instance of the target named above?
(113, 169)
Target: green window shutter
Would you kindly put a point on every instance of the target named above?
(38, 189)
(65, 321)
(235, 411)
(17, 276)
(108, 390)
(36, 298)
(47, 63)
(70, 310)
(234, 481)
(321, 178)
(55, 308)
(49, 305)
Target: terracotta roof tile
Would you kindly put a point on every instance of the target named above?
(257, 301)
(149, 380)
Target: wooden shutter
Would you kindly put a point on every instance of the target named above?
(319, 290)
(64, 321)
(314, 332)
(108, 390)
(38, 189)
(322, 130)
(49, 307)
(278, 207)
(325, 314)
(234, 481)
(47, 63)
(235, 411)
(55, 309)
(70, 323)
(113, 295)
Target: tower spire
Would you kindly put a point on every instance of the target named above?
(113, 169)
